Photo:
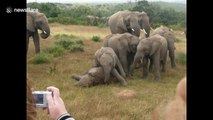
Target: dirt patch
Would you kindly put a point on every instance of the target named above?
(126, 94)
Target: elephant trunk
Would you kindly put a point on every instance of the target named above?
(135, 29)
(107, 72)
(146, 27)
(137, 58)
(45, 31)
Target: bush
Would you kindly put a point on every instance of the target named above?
(96, 38)
(76, 47)
(40, 58)
(65, 43)
(55, 50)
(80, 42)
(180, 58)
(64, 36)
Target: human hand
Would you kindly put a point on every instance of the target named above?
(56, 105)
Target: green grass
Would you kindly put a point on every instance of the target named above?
(55, 50)
(96, 38)
(76, 47)
(180, 58)
(178, 40)
(40, 58)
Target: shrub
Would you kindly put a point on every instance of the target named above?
(76, 47)
(65, 43)
(178, 40)
(64, 36)
(80, 42)
(180, 58)
(96, 38)
(40, 58)
(55, 50)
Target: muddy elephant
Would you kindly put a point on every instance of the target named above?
(37, 21)
(108, 60)
(129, 21)
(170, 37)
(125, 46)
(95, 76)
(153, 48)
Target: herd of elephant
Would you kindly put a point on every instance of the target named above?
(122, 51)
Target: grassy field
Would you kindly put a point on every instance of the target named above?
(101, 102)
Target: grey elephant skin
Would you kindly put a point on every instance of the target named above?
(154, 49)
(125, 46)
(129, 21)
(170, 37)
(37, 21)
(108, 60)
(95, 76)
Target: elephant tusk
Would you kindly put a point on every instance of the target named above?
(133, 29)
(144, 31)
(45, 32)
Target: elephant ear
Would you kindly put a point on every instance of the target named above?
(127, 21)
(30, 22)
(155, 46)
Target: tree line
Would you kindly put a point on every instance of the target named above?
(76, 13)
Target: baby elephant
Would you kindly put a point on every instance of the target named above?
(108, 60)
(154, 49)
(95, 76)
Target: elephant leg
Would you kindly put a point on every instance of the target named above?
(124, 63)
(130, 60)
(119, 77)
(172, 56)
(120, 68)
(163, 63)
(145, 67)
(156, 63)
(36, 42)
(151, 65)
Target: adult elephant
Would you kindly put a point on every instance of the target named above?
(170, 37)
(108, 60)
(125, 46)
(155, 49)
(95, 76)
(35, 21)
(129, 21)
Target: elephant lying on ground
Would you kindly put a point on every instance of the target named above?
(95, 76)
(108, 60)
(170, 37)
(129, 21)
(153, 48)
(125, 46)
(35, 21)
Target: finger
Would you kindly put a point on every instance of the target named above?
(50, 101)
(56, 93)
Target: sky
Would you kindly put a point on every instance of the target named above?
(100, 1)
